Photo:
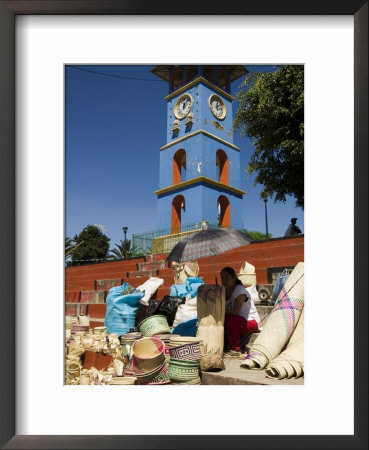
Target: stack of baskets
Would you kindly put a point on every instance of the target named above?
(184, 363)
(69, 321)
(166, 339)
(148, 361)
(77, 328)
(126, 342)
(101, 331)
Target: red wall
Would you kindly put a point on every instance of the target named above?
(263, 255)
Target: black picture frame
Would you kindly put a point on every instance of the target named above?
(8, 11)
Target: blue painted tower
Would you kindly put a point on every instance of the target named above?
(199, 164)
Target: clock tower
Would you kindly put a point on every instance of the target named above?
(199, 164)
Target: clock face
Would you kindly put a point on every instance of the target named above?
(183, 106)
(217, 106)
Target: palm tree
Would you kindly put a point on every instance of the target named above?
(69, 245)
(124, 250)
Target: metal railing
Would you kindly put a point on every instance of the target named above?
(162, 241)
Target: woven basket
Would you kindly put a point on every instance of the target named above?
(161, 378)
(185, 270)
(126, 342)
(190, 351)
(180, 370)
(159, 375)
(148, 354)
(164, 337)
(133, 335)
(100, 330)
(175, 341)
(156, 324)
(77, 328)
(118, 381)
(73, 370)
(247, 274)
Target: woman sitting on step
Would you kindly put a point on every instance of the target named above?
(241, 315)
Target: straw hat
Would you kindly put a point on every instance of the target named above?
(247, 274)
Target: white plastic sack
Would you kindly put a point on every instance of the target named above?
(149, 288)
(191, 301)
(186, 311)
(253, 292)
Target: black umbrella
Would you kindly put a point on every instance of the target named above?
(212, 241)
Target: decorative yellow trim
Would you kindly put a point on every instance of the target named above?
(196, 81)
(223, 105)
(199, 180)
(198, 132)
(176, 106)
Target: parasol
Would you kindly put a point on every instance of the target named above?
(209, 242)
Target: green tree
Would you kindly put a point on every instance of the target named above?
(271, 114)
(124, 250)
(91, 243)
(258, 235)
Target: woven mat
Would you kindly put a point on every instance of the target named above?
(290, 363)
(281, 323)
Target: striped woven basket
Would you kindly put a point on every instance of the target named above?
(190, 352)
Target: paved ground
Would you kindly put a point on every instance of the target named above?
(236, 375)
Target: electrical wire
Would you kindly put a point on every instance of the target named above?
(112, 75)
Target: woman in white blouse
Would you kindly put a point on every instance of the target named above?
(241, 315)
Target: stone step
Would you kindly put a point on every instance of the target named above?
(72, 296)
(142, 274)
(97, 296)
(105, 285)
(151, 265)
(75, 309)
(158, 257)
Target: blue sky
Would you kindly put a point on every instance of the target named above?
(114, 128)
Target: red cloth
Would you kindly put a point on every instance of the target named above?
(237, 326)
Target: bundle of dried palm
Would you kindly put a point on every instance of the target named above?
(210, 315)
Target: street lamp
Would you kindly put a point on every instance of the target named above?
(125, 229)
(265, 198)
(266, 216)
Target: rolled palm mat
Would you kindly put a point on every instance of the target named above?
(281, 323)
(210, 316)
(290, 363)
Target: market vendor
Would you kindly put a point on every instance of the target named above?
(241, 315)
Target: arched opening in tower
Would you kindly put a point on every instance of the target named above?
(223, 80)
(179, 166)
(224, 212)
(177, 80)
(209, 73)
(222, 163)
(178, 206)
(191, 73)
